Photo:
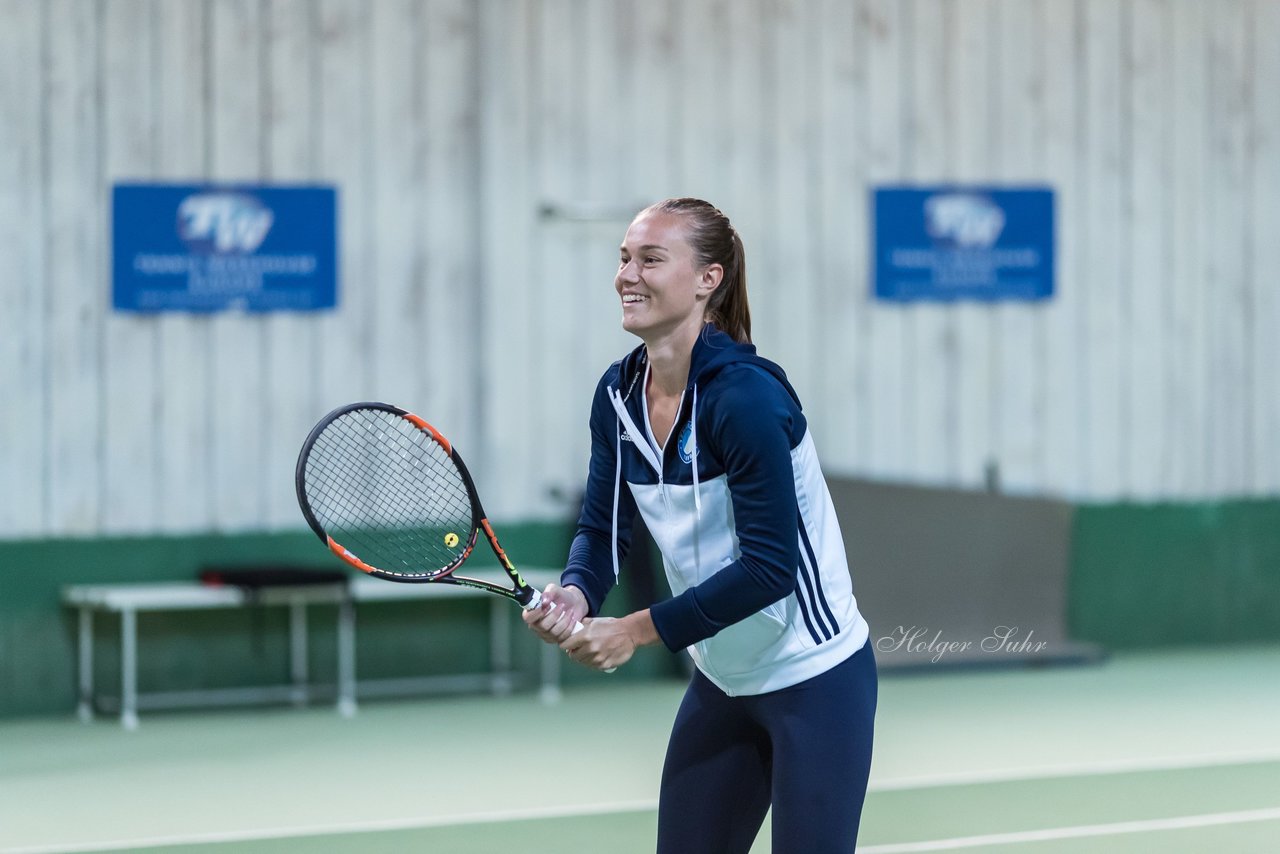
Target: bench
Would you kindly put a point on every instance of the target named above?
(130, 600)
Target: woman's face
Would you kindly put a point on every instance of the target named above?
(660, 287)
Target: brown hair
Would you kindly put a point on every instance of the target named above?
(715, 241)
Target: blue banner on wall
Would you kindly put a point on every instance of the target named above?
(202, 248)
(951, 243)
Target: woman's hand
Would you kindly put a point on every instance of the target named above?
(605, 642)
(561, 609)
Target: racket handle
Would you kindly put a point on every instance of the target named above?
(577, 625)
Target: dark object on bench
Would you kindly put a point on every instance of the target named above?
(252, 578)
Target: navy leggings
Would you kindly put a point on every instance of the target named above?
(805, 750)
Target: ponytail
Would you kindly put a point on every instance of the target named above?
(727, 308)
(715, 241)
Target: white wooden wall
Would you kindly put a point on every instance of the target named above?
(488, 156)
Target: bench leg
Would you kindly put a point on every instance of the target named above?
(298, 652)
(500, 646)
(84, 710)
(346, 657)
(129, 668)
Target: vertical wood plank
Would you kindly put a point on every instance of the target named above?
(1226, 276)
(707, 133)
(346, 336)
(1265, 260)
(236, 379)
(1108, 291)
(752, 93)
(451, 327)
(130, 484)
(1186, 371)
(790, 290)
(76, 295)
(507, 204)
(885, 325)
(1064, 425)
(398, 198)
(184, 442)
(1146, 213)
(292, 402)
(974, 323)
(567, 135)
(604, 125)
(842, 259)
(930, 115)
(1017, 355)
(23, 343)
(736, 96)
(647, 110)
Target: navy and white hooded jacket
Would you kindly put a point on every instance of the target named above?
(737, 505)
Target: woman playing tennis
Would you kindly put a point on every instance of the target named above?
(706, 440)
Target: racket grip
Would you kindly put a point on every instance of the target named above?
(577, 625)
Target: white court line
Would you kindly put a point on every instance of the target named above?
(1079, 832)
(900, 784)
(1089, 769)
(348, 827)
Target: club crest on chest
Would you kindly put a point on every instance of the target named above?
(685, 446)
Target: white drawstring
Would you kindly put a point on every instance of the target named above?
(617, 483)
(693, 452)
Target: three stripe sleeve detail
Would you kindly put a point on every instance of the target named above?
(818, 618)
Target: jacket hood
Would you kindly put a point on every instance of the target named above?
(712, 352)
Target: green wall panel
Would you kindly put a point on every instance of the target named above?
(1165, 574)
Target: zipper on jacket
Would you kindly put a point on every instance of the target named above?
(660, 452)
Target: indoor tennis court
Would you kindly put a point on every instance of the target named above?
(1169, 752)
(271, 269)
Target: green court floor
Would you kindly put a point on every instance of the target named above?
(1172, 752)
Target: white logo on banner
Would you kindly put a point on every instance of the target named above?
(966, 220)
(223, 222)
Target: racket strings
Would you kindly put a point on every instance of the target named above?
(380, 513)
(389, 494)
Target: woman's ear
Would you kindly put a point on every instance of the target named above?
(709, 279)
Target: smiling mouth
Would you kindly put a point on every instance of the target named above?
(632, 299)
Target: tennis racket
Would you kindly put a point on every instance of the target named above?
(387, 493)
